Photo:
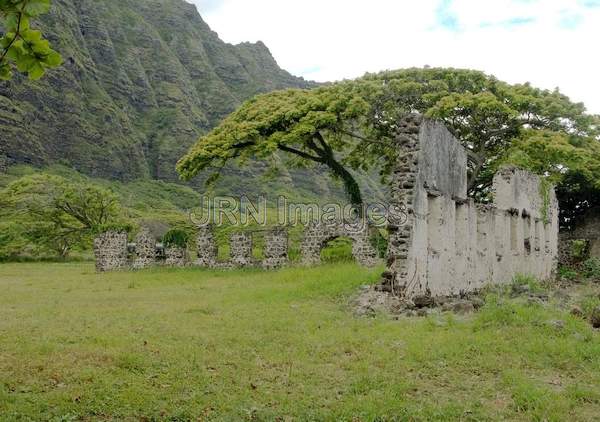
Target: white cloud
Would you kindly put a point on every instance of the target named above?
(547, 42)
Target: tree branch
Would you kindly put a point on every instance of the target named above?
(300, 153)
(362, 138)
(243, 144)
(17, 33)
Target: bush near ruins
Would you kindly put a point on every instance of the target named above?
(591, 268)
(176, 238)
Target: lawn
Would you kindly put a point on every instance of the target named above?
(251, 345)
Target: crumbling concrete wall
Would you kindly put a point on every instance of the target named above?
(317, 235)
(110, 250)
(447, 244)
(276, 249)
(145, 250)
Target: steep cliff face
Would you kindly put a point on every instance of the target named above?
(142, 80)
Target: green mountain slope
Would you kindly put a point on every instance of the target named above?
(142, 80)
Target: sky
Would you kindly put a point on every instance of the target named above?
(550, 43)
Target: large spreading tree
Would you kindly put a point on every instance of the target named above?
(54, 214)
(350, 125)
(21, 46)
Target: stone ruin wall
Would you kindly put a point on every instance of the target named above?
(240, 249)
(110, 250)
(207, 247)
(145, 250)
(317, 235)
(276, 248)
(447, 244)
(586, 229)
(176, 256)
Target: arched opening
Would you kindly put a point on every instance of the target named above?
(337, 249)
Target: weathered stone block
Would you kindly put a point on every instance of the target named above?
(207, 247)
(276, 249)
(145, 250)
(240, 247)
(110, 250)
(176, 256)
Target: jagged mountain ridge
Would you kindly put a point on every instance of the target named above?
(142, 80)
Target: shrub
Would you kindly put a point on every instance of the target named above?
(523, 283)
(579, 249)
(591, 268)
(176, 238)
(380, 243)
(115, 227)
(588, 304)
(567, 273)
(338, 250)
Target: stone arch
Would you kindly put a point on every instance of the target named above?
(317, 235)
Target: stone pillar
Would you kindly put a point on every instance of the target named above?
(276, 249)
(363, 251)
(176, 256)
(310, 249)
(240, 247)
(400, 274)
(145, 250)
(110, 250)
(207, 247)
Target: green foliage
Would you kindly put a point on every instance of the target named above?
(293, 121)
(531, 283)
(11, 240)
(589, 304)
(579, 249)
(21, 45)
(338, 250)
(379, 241)
(120, 227)
(591, 268)
(54, 213)
(567, 273)
(569, 160)
(545, 187)
(355, 122)
(176, 238)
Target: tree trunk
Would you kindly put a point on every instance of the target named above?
(478, 163)
(350, 185)
(325, 155)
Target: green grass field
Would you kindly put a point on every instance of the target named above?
(248, 345)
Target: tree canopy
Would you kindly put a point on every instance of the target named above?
(308, 124)
(22, 46)
(350, 125)
(55, 214)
